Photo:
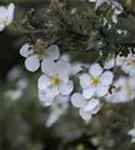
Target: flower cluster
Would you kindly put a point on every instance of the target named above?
(6, 15)
(56, 84)
(85, 86)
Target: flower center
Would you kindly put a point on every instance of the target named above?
(55, 81)
(96, 81)
(40, 49)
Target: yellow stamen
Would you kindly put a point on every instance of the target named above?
(95, 81)
(55, 81)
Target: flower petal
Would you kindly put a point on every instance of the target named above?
(52, 90)
(85, 115)
(78, 100)
(26, 50)
(51, 120)
(107, 78)
(76, 67)
(131, 132)
(92, 106)
(48, 66)
(95, 70)
(89, 92)
(54, 52)
(11, 9)
(46, 98)
(85, 80)
(67, 88)
(43, 82)
(32, 63)
(63, 68)
(109, 64)
(102, 91)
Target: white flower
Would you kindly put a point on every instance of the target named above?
(123, 91)
(96, 82)
(15, 73)
(22, 84)
(58, 108)
(132, 134)
(14, 94)
(6, 16)
(130, 65)
(87, 108)
(55, 80)
(127, 63)
(37, 53)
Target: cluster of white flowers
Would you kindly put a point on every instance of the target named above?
(85, 86)
(6, 15)
(56, 84)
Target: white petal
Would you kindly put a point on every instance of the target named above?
(95, 70)
(63, 68)
(67, 88)
(102, 91)
(32, 63)
(114, 19)
(11, 8)
(3, 12)
(109, 64)
(66, 57)
(132, 132)
(46, 98)
(89, 92)
(78, 100)
(133, 140)
(48, 66)
(107, 78)
(52, 119)
(26, 50)
(52, 90)
(92, 106)
(85, 80)
(54, 52)
(85, 115)
(76, 67)
(43, 82)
